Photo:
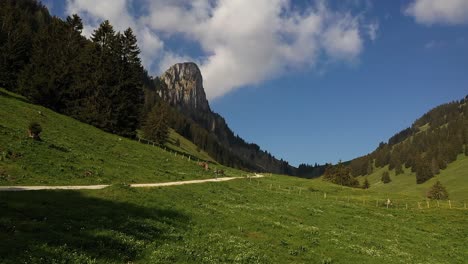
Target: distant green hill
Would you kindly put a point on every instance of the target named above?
(76, 153)
(434, 148)
(454, 178)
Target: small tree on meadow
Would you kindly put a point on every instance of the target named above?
(366, 184)
(386, 177)
(34, 130)
(437, 192)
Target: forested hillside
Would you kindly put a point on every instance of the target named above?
(99, 81)
(432, 143)
(46, 59)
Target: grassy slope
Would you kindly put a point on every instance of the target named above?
(75, 153)
(232, 222)
(454, 178)
(186, 146)
(259, 221)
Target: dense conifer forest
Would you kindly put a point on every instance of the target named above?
(428, 146)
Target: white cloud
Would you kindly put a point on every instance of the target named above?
(169, 58)
(242, 42)
(430, 12)
(372, 30)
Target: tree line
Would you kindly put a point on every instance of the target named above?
(433, 142)
(46, 59)
(99, 81)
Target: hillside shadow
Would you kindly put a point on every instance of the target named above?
(69, 227)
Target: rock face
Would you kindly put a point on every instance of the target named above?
(184, 87)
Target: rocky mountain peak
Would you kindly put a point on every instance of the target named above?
(184, 87)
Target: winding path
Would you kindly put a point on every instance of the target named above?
(97, 187)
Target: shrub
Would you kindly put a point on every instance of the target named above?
(437, 192)
(34, 130)
(366, 184)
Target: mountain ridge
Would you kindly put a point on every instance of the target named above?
(181, 86)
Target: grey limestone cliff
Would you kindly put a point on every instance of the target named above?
(184, 87)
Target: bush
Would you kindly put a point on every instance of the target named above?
(366, 184)
(437, 192)
(386, 177)
(34, 130)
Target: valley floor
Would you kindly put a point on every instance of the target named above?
(274, 219)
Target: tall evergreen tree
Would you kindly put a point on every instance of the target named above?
(366, 184)
(156, 126)
(386, 177)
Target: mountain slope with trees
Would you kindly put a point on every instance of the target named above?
(101, 81)
(423, 150)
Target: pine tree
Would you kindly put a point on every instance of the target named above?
(50, 76)
(399, 169)
(156, 124)
(366, 184)
(385, 177)
(341, 175)
(19, 23)
(437, 192)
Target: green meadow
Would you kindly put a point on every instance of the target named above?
(275, 219)
(73, 153)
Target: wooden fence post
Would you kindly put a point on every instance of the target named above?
(406, 206)
(438, 204)
(450, 204)
(324, 195)
(427, 203)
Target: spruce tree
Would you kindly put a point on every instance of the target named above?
(366, 184)
(385, 177)
(156, 126)
(437, 192)
(399, 169)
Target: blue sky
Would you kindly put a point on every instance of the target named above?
(327, 90)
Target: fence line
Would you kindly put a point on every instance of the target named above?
(172, 151)
(423, 204)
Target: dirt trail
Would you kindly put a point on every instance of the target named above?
(97, 187)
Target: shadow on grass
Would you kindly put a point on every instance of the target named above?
(69, 227)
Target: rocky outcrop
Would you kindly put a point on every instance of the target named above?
(183, 84)
(182, 87)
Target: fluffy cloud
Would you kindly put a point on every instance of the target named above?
(439, 11)
(240, 42)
